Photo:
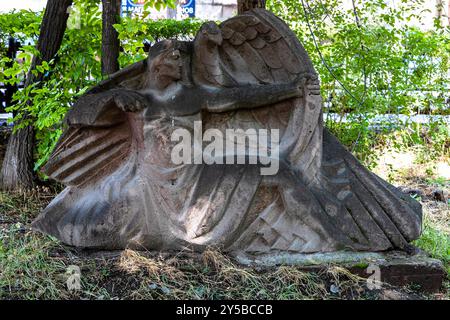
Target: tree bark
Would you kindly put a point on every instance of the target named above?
(17, 171)
(110, 37)
(448, 13)
(439, 11)
(245, 5)
(13, 46)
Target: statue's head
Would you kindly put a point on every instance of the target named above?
(164, 62)
(210, 32)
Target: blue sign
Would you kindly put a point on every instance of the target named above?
(187, 8)
(132, 6)
(135, 7)
(135, 3)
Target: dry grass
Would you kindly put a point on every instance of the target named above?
(133, 262)
(33, 266)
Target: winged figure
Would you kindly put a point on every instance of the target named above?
(249, 72)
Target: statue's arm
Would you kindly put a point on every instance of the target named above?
(253, 96)
(91, 107)
(248, 97)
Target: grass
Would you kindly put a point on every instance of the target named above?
(438, 181)
(34, 266)
(28, 270)
(436, 243)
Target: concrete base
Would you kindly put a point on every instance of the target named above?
(395, 267)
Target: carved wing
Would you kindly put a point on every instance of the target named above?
(259, 48)
(130, 77)
(98, 139)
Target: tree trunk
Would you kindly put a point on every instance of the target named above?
(245, 5)
(439, 11)
(110, 37)
(17, 171)
(448, 13)
(13, 46)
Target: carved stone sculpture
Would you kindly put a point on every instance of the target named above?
(123, 189)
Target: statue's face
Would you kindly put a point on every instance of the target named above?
(168, 66)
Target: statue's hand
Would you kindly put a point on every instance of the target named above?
(308, 80)
(129, 101)
(89, 109)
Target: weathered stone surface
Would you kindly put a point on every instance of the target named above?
(251, 72)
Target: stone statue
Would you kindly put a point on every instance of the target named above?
(250, 72)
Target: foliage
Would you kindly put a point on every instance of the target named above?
(23, 24)
(372, 60)
(77, 65)
(134, 33)
(436, 243)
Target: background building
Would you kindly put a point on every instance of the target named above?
(202, 9)
(216, 9)
(222, 9)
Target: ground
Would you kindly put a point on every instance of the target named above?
(34, 266)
